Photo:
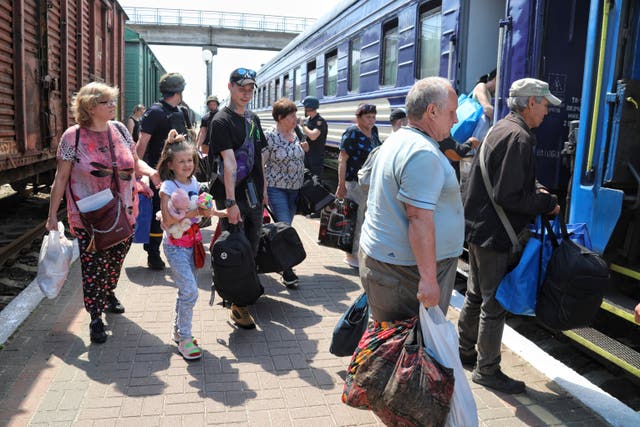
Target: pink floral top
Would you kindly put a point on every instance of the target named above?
(91, 171)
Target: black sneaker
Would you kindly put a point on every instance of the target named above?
(499, 381)
(290, 279)
(468, 359)
(154, 262)
(114, 305)
(96, 331)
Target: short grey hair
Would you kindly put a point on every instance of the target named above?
(519, 103)
(430, 90)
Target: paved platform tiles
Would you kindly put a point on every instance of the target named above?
(280, 374)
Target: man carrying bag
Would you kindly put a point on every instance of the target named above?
(508, 154)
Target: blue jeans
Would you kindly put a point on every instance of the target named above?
(183, 273)
(282, 202)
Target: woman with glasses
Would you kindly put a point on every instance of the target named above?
(283, 160)
(357, 142)
(84, 168)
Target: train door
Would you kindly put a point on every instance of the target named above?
(479, 30)
(546, 40)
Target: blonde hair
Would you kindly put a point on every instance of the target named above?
(87, 98)
(175, 143)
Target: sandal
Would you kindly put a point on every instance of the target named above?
(189, 349)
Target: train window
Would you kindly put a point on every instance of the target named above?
(354, 64)
(429, 43)
(264, 96)
(277, 90)
(331, 73)
(298, 84)
(312, 89)
(286, 87)
(390, 53)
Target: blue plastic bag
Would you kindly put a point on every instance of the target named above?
(469, 112)
(518, 289)
(143, 221)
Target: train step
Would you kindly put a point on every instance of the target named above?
(607, 348)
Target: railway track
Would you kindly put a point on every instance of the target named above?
(22, 227)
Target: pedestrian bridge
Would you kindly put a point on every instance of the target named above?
(203, 28)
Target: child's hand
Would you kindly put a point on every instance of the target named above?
(212, 212)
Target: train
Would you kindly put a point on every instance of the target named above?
(142, 71)
(48, 51)
(587, 151)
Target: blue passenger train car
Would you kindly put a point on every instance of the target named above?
(374, 50)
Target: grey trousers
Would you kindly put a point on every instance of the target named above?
(354, 192)
(482, 317)
(392, 289)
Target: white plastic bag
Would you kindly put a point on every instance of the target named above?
(56, 254)
(441, 341)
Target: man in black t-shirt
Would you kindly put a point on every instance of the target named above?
(236, 136)
(156, 122)
(315, 129)
(203, 134)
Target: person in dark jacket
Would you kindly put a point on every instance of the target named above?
(509, 157)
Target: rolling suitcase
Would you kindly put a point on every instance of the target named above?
(316, 195)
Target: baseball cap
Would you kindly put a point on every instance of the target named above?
(243, 76)
(533, 87)
(397, 114)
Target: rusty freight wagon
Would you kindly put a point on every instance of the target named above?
(48, 50)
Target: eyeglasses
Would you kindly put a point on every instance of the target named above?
(240, 74)
(109, 102)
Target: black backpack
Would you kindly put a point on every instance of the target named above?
(234, 269)
(280, 248)
(574, 285)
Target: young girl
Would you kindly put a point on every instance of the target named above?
(176, 167)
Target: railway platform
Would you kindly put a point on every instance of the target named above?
(280, 374)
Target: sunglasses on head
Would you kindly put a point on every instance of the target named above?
(243, 73)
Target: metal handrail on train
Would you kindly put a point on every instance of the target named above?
(206, 18)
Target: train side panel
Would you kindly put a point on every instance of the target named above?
(41, 44)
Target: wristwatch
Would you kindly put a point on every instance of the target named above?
(229, 202)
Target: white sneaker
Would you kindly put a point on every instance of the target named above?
(351, 261)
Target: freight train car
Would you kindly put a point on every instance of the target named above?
(142, 72)
(374, 50)
(48, 50)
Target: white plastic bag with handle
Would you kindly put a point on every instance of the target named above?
(56, 254)
(441, 341)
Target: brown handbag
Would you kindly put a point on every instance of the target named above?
(108, 225)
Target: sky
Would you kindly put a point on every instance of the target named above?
(188, 60)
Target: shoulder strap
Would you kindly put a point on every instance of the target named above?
(185, 113)
(487, 184)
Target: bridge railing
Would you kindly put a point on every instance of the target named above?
(205, 18)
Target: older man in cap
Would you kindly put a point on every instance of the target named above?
(156, 122)
(236, 136)
(508, 154)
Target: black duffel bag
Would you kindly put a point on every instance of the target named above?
(234, 269)
(574, 285)
(279, 249)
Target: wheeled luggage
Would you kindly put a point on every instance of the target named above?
(316, 195)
